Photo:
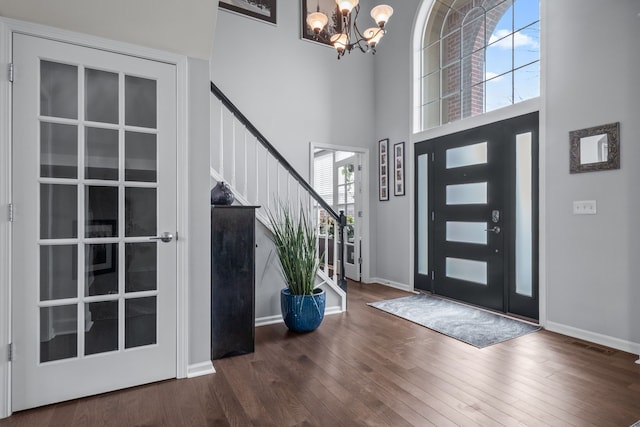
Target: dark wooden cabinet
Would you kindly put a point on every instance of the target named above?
(232, 280)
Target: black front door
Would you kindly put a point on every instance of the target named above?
(482, 215)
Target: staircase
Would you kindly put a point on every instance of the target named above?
(259, 175)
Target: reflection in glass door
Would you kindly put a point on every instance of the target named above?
(94, 174)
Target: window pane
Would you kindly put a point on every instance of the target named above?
(451, 48)
(101, 153)
(499, 57)
(525, 12)
(101, 96)
(141, 266)
(526, 46)
(58, 90)
(101, 211)
(58, 211)
(102, 336)
(524, 221)
(451, 108)
(498, 92)
(467, 194)
(140, 322)
(58, 272)
(451, 79)
(431, 115)
(466, 156)
(473, 100)
(431, 87)
(467, 232)
(101, 265)
(431, 59)
(140, 212)
(423, 214)
(140, 157)
(58, 150)
(468, 270)
(526, 82)
(473, 36)
(140, 102)
(58, 333)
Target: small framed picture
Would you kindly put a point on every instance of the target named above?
(383, 168)
(398, 169)
(264, 10)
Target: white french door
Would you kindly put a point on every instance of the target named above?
(94, 186)
(348, 198)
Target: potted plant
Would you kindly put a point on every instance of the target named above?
(296, 243)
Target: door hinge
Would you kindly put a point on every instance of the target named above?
(433, 156)
(176, 236)
(359, 214)
(11, 72)
(359, 260)
(359, 167)
(433, 215)
(433, 275)
(10, 352)
(10, 212)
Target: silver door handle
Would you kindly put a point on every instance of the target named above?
(495, 229)
(166, 237)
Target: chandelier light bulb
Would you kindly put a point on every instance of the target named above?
(317, 21)
(345, 6)
(373, 35)
(381, 14)
(340, 42)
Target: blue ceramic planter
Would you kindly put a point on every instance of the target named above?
(302, 313)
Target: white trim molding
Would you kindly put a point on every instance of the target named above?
(7, 28)
(5, 225)
(200, 369)
(391, 284)
(594, 337)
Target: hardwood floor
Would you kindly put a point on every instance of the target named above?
(366, 367)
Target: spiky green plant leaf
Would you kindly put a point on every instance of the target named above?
(296, 241)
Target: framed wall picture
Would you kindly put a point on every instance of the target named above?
(264, 10)
(329, 8)
(383, 169)
(398, 169)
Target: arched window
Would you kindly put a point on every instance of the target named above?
(478, 56)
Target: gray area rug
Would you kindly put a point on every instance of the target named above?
(470, 325)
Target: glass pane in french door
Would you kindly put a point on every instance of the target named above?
(98, 198)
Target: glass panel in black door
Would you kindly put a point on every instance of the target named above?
(468, 205)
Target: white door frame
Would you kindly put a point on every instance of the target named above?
(365, 251)
(7, 28)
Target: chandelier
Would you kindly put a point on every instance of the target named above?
(351, 36)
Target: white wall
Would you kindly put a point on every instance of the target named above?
(592, 261)
(199, 234)
(184, 27)
(391, 222)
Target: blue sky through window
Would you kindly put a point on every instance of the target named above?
(512, 70)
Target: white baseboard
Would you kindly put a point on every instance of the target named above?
(391, 284)
(617, 343)
(270, 320)
(199, 369)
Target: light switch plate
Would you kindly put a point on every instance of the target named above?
(584, 207)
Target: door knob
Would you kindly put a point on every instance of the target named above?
(495, 229)
(166, 237)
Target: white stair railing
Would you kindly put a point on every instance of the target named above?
(259, 175)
